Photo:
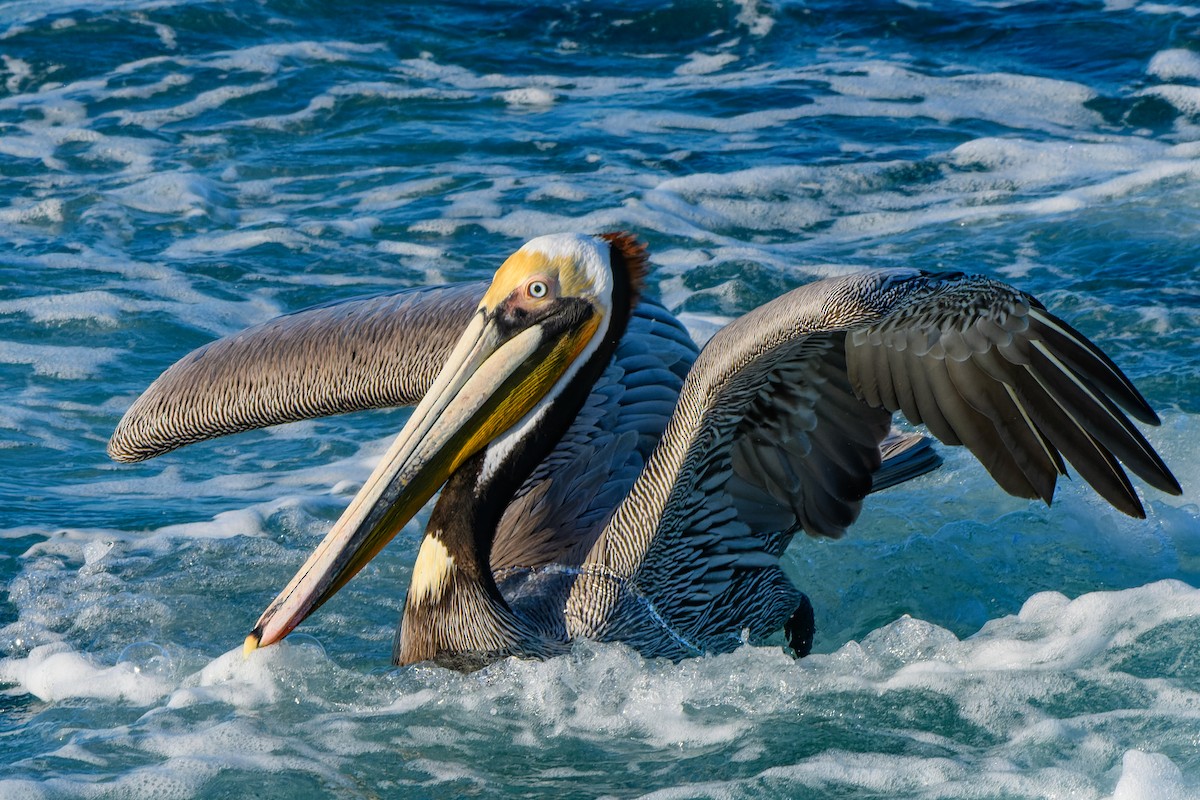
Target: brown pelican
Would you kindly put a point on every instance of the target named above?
(602, 479)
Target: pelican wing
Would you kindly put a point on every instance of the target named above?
(371, 352)
(778, 427)
(986, 366)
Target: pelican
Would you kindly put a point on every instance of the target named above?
(603, 478)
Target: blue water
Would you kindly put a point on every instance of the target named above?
(174, 171)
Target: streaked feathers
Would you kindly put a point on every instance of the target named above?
(372, 352)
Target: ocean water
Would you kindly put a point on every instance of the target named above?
(174, 171)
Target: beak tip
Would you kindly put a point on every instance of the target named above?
(251, 644)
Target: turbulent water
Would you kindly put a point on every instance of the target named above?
(174, 171)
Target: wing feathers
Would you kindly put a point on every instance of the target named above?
(977, 432)
(1095, 464)
(906, 400)
(1035, 458)
(984, 365)
(1100, 417)
(363, 353)
(1091, 362)
(782, 417)
(933, 406)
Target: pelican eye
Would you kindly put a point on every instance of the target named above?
(537, 289)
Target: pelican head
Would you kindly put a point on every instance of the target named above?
(549, 310)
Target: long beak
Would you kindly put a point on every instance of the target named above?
(487, 385)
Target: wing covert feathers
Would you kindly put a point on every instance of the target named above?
(362, 353)
(984, 365)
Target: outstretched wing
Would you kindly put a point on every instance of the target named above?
(986, 366)
(356, 354)
(779, 423)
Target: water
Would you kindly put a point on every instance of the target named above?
(174, 171)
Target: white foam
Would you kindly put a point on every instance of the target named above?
(1032, 163)
(528, 96)
(184, 758)
(1150, 775)
(18, 72)
(54, 672)
(634, 123)
(317, 106)
(874, 89)
(167, 83)
(395, 91)
(1158, 9)
(176, 193)
(166, 34)
(354, 227)
(755, 16)
(702, 327)
(1175, 64)
(42, 212)
(237, 241)
(20, 16)
(411, 249)
(58, 361)
(995, 680)
(559, 190)
(139, 155)
(427, 70)
(398, 194)
(268, 59)
(1184, 98)
(1016, 681)
(25, 147)
(705, 63)
(158, 289)
(1071, 634)
(205, 101)
(992, 178)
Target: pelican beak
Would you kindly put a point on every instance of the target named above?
(492, 379)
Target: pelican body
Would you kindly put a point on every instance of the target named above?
(601, 477)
